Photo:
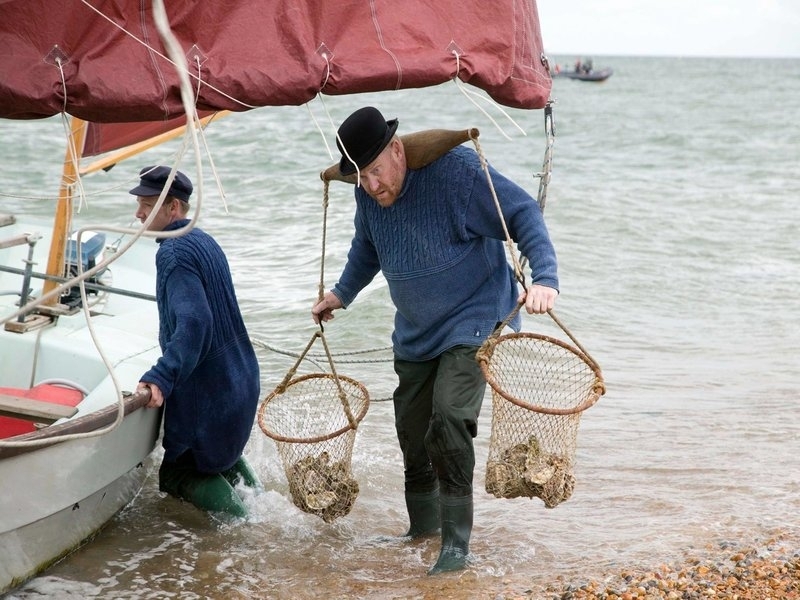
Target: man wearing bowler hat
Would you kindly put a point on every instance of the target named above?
(208, 376)
(436, 235)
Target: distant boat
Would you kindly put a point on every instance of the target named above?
(591, 75)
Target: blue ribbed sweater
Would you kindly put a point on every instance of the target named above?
(441, 249)
(208, 371)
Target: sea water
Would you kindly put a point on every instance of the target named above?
(673, 209)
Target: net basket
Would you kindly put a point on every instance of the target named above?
(540, 387)
(313, 421)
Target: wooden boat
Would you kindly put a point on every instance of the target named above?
(130, 71)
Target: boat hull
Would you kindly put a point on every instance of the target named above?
(60, 491)
(30, 548)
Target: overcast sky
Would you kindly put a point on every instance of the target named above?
(757, 28)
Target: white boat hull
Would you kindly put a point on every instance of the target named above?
(58, 495)
(91, 481)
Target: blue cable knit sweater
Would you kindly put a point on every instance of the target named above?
(441, 248)
(208, 371)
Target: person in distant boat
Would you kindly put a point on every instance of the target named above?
(436, 236)
(208, 377)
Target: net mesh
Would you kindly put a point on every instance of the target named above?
(540, 387)
(313, 421)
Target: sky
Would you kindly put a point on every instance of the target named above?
(735, 28)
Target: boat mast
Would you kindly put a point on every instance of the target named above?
(63, 217)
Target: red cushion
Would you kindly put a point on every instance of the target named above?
(47, 392)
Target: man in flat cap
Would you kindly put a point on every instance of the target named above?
(436, 235)
(207, 378)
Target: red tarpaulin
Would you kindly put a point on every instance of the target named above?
(66, 56)
(105, 137)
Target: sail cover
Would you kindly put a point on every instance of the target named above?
(103, 60)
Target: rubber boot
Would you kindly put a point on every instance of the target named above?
(456, 530)
(423, 513)
(212, 493)
(242, 472)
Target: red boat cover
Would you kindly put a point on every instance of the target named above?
(103, 60)
(105, 137)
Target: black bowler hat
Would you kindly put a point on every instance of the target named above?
(364, 134)
(152, 181)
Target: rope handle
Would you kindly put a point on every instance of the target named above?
(519, 263)
(342, 396)
(281, 387)
(325, 201)
(321, 333)
(518, 273)
(498, 331)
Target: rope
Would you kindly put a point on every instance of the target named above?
(545, 175)
(287, 379)
(314, 358)
(342, 396)
(325, 198)
(311, 356)
(284, 384)
(470, 94)
(517, 267)
(572, 337)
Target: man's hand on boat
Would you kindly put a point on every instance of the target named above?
(323, 310)
(538, 299)
(156, 397)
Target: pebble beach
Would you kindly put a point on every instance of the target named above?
(765, 571)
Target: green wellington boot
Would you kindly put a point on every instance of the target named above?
(206, 492)
(212, 493)
(242, 472)
(456, 530)
(423, 513)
